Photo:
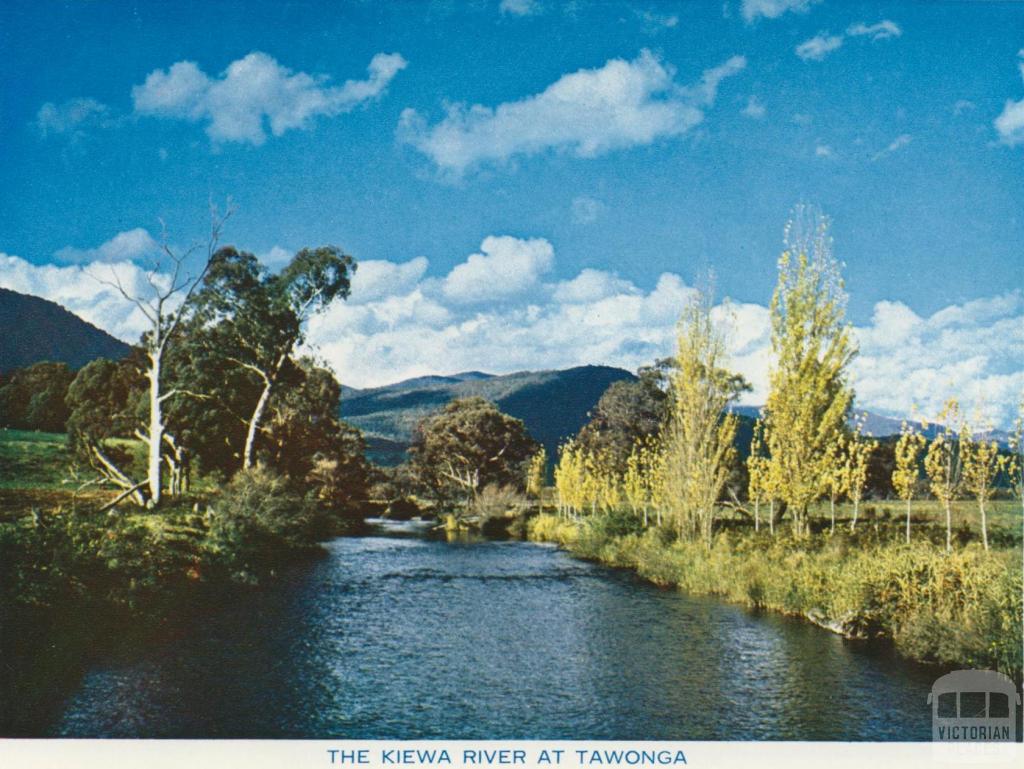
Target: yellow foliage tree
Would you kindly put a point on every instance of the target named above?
(699, 436)
(535, 476)
(943, 463)
(634, 484)
(858, 454)
(906, 471)
(758, 468)
(809, 396)
(836, 476)
(981, 465)
(1015, 462)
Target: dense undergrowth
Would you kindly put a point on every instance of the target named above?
(962, 608)
(130, 557)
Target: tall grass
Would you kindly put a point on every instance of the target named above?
(962, 608)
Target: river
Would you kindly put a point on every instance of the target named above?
(397, 635)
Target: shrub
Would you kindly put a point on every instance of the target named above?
(259, 519)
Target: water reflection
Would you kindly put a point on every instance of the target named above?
(405, 636)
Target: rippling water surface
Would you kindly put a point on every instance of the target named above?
(399, 636)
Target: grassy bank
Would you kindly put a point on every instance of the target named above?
(960, 609)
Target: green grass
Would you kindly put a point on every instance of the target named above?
(962, 608)
(33, 460)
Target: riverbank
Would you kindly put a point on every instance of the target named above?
(963, 608)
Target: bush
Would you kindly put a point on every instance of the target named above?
(259, 520)
(962, 608)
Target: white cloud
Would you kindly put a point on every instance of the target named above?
(275, 257)
(520, 7)
(586, 210)
(71, 117)
(399, 322)
(895, 145)
(773, 9)
(127, 246)
(883, 30)
(79, 289)
(506, 266)
(754, 109)
(254, 92)
(973, 351)
(819, 46)
(1010, 122)
(589, 113)
(824, 43)
(823, 151)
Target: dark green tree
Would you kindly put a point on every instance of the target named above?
(33, 397)
(252, 321)
(466, 446)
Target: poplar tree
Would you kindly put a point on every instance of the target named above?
(699, 442)
(981, 465)
(835, 475)
(535, 476)
(809, 396)
(758, 468)
(858, 453)
(905, 474)
(944, 464)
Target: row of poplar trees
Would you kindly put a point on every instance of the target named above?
(802, 449)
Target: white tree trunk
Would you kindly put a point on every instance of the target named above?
(254, 424)
(156, 428)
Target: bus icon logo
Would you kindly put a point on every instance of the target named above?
(974, 706)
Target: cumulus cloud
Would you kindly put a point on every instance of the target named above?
(399, 322)
(589, 113)
(1010, 122)
(127, 246)
(79, 288)
(254, 93)
(773, 9)
(506, 266)
(754, 109)
(819, 46)
(71, 117)
(883, 30)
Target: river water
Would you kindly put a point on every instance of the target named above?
(396, 635)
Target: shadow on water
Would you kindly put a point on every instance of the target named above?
(402, 634)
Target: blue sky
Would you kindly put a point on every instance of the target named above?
(633, 145)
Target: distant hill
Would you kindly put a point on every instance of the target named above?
(33, 329)
(553, 405)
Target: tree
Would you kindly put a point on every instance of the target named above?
(253, 321)
(627, 412)
(467, 445)
(758, 468)
(836, 475)
(1015, 460)
(33, 397)
(699, 436)
(809, 396)
(858, 455)
(943, 463)
(908, 457)
(981, 465)
(164, 305)
(102, 402)
(536, 475)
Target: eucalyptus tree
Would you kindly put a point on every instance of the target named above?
(171, 280)
(252, 321)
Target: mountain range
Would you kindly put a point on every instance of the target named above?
(33, 329)
(553, 405)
